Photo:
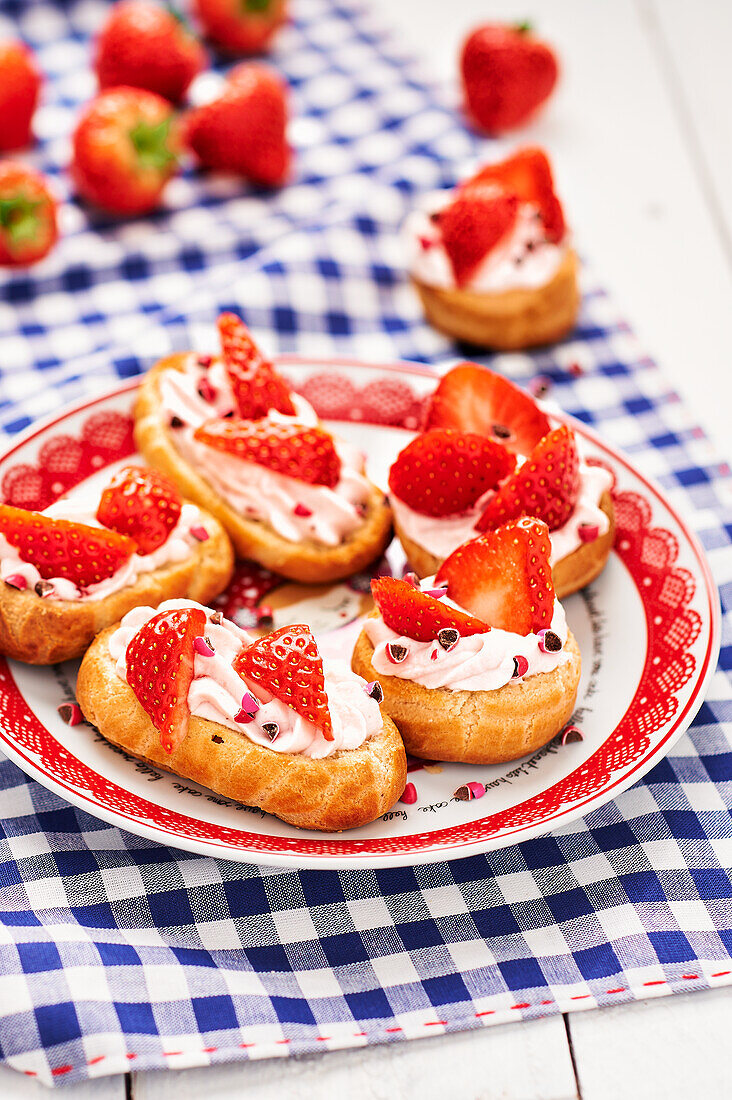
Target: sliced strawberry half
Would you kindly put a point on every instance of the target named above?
(414, 614)
(527, 175)
(443, 471)
(61, 548)
(546, 485)
(289, 666)
(307, 454)
(256, 385)
(160, 669)
(473, 224)
(475, 399)
(141, 503)
(504, 577)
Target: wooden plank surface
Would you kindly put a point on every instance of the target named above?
(521, 1061)
(667, 1047)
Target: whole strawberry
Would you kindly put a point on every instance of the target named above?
(125, 150)
(507, 74)
(144, 45)
(241, 26)
(20, 83)
(28, 227)
(244, 129)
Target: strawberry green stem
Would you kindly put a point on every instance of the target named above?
(18, 218)
(524, 27)
(256, 5)
(151, 144)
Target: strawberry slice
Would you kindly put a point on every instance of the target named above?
(61, 548)
(475, 399)
(504, 577)
(140, 503)
(307, 454)
(256, 384)
(443, 472)
(414, 614)
(160, 670)
(546, 485)
(527, 175)
(288, 665)
(473, 224)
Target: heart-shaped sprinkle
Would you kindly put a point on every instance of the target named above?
(448, 637)
(409, 794)
(206, 391)
(204, 360)
(70, 713)
(302, 510)
(271, 729)
(549, 642)
(469, 791)
(375, 691)
(396, 652)
(520, 666)
(203, 646)
(572, 733)
(17, 580)
(588, 532)
(200, 533)
(43, 588)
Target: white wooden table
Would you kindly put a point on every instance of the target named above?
(641, 135)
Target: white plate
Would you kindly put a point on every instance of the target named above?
(648, 630)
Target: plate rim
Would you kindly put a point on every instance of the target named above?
(431, 853)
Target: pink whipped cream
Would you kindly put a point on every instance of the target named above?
(441, 535)
(481, 662)
(522, 260)
(216, 691)
(255, 491)
(81, 507)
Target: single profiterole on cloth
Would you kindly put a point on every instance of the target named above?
(492, 260)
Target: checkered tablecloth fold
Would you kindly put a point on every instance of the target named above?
(116, 953)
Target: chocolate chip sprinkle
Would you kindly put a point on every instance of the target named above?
(552, 642)
(271, 729)
(216, 618)
(500, 431)
(176, 422)
(43, 588)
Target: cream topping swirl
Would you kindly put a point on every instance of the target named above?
(216, 691)
(440, 535)
(523, 259)
(480, 662)
(81, 507)
(324, 516)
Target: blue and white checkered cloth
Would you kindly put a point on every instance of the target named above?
(118, 953)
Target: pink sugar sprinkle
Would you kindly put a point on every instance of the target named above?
(205, 360)
(409, 794)
(200, 533)
(243, 717)
(17, 580)
(206, 390)
(436, 593)
(249, 703)
(203, 646)
(302, 510)
(469, 791)
(425, 243)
